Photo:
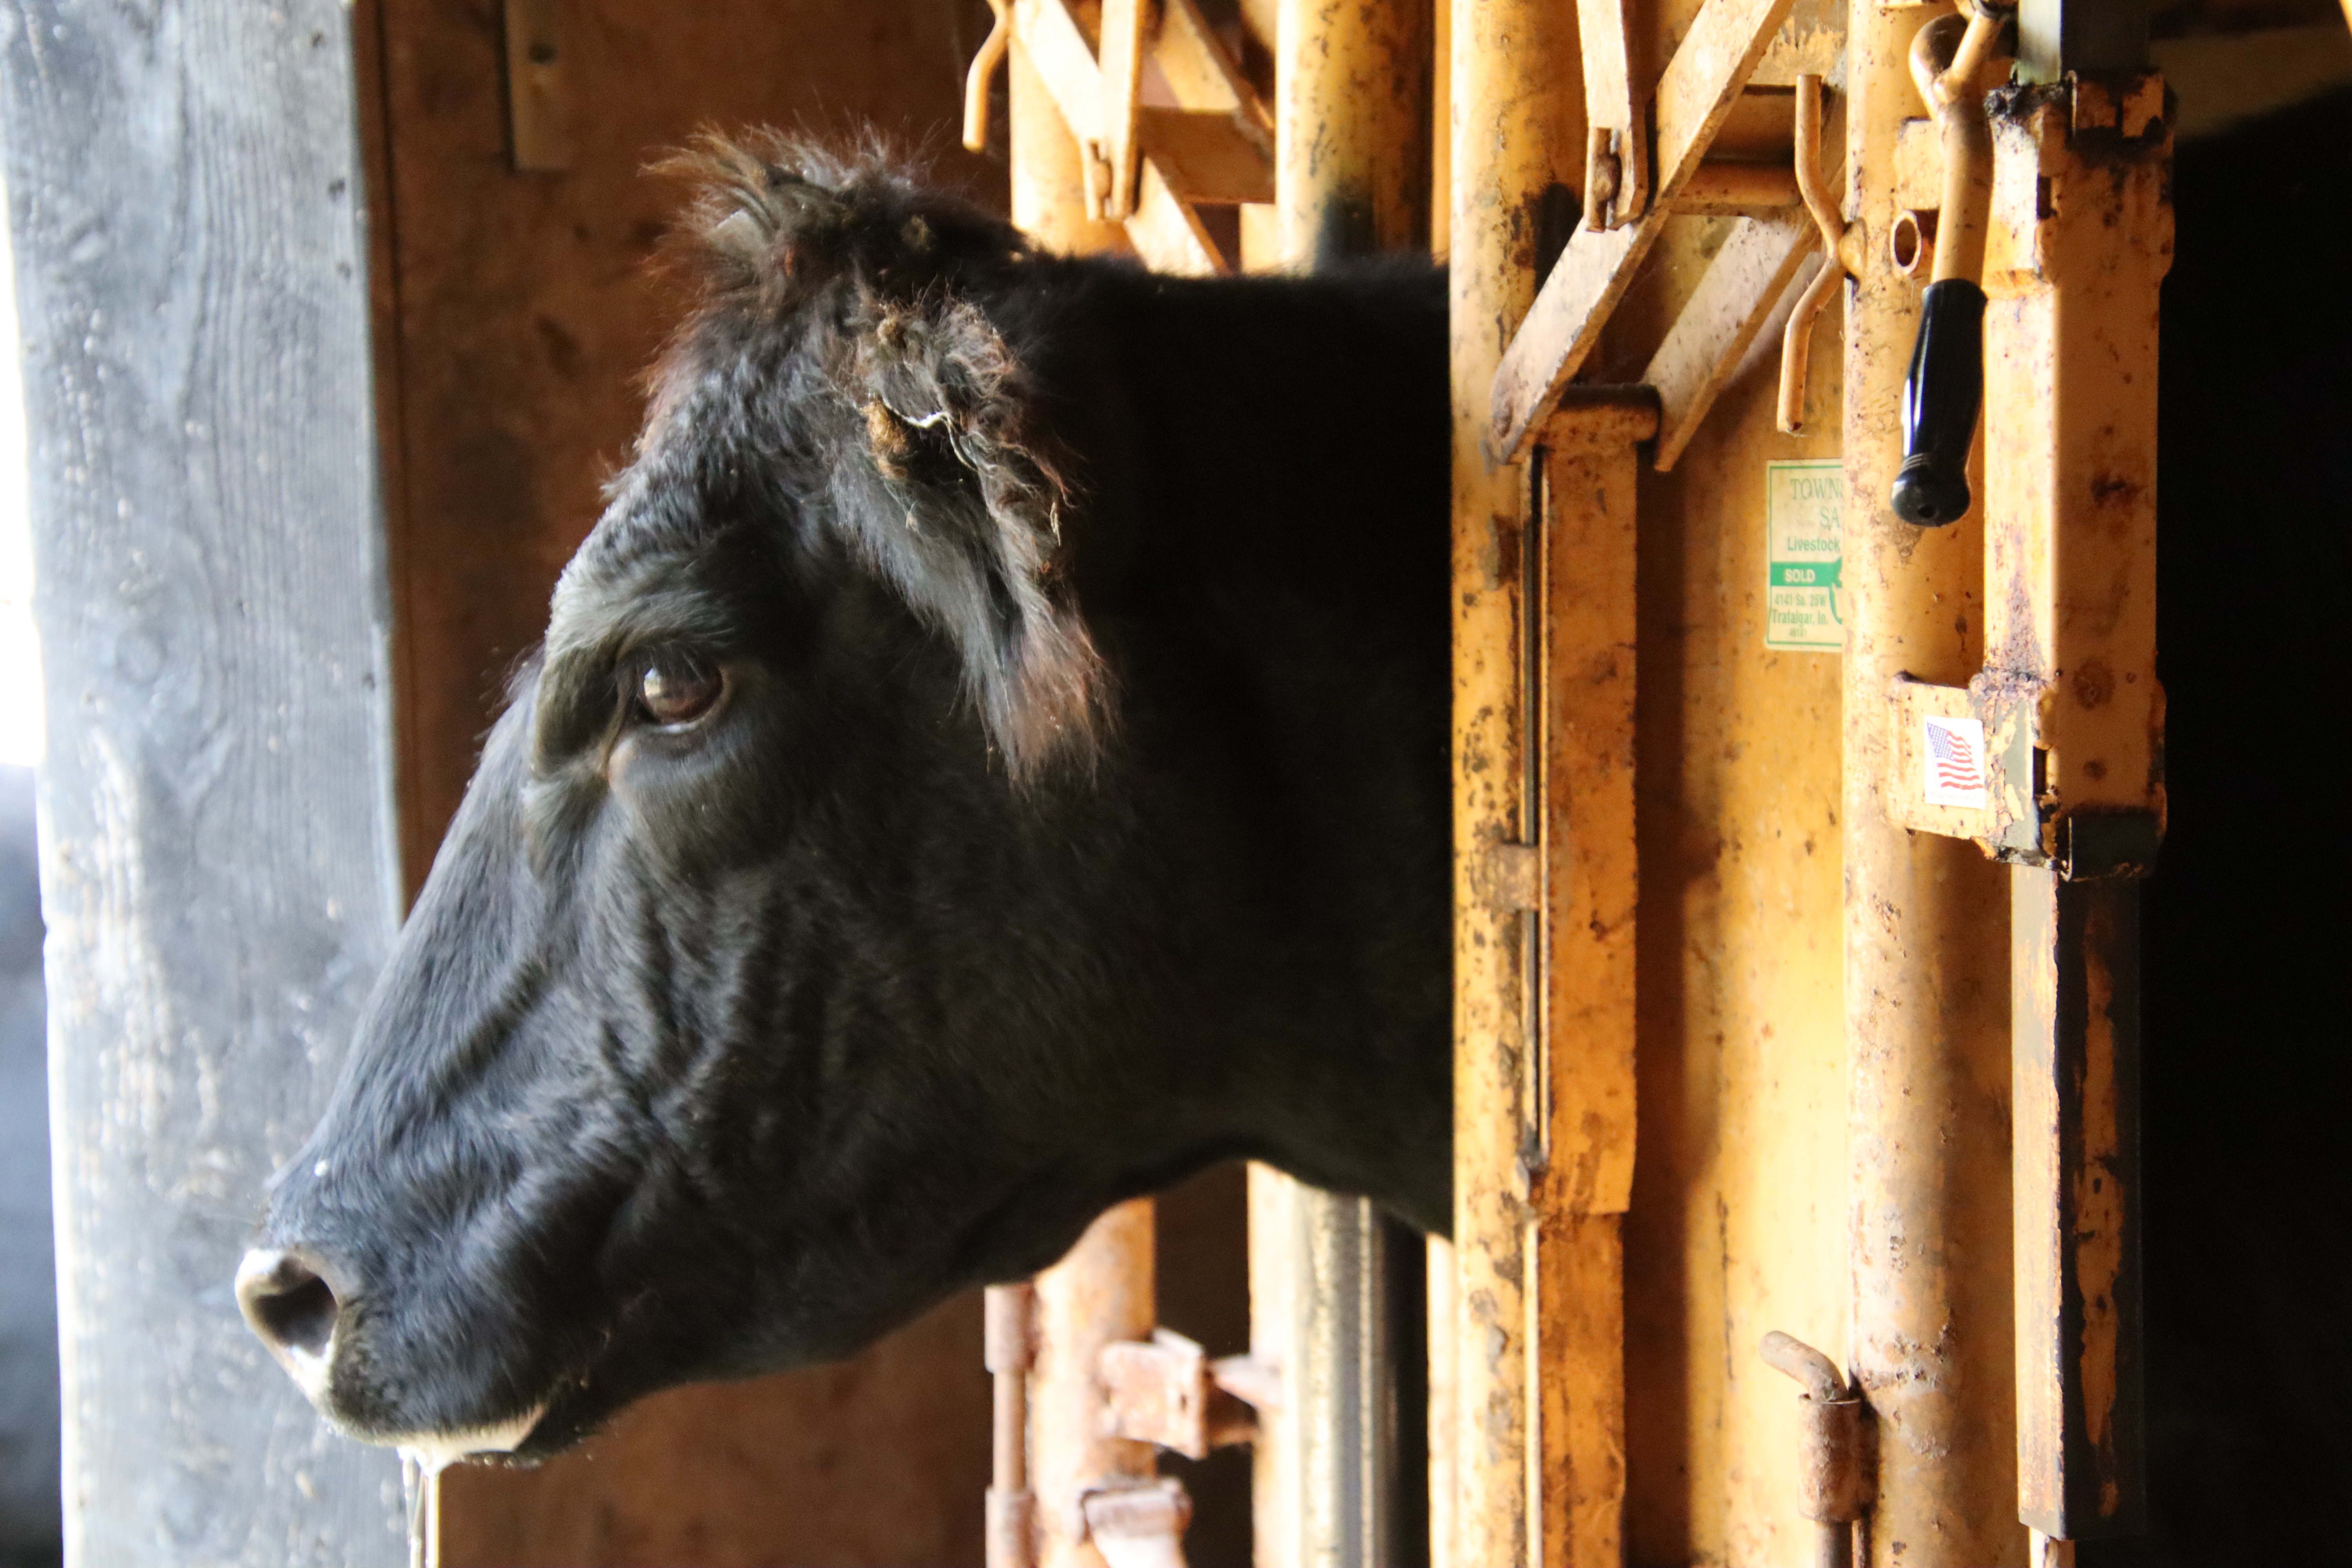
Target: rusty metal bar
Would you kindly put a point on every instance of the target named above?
(981, 77)
(1104, 1291)
(1925, 939)
(1011, 1351)
(1049, 47)
(1352, 130)
(1544, 841)
(1049, 192)
(1582, 549)
(1114, 157)
(1617, 141)
(2075, 1006)
(1831, 1478)
(1743, 286)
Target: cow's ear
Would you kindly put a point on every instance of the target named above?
(962, 501)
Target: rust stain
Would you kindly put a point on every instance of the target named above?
(2093, 683)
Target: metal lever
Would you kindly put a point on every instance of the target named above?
(982, 75)
(1940, 397)
(1945, 386)
(1836, 1487)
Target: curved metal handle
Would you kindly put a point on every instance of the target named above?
(982, 75)
(1797, 337)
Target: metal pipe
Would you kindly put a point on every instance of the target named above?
(1351, 179)
(1926, 955)
(1010, 1338)
(1830, 1478)
(1104, 1290)
(981, 77)
(1350, 129)
(1797, 338)
(1945, 59)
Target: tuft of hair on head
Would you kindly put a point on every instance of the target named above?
(961, 499)
(773, 217)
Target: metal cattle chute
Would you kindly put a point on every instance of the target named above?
(1796, 865)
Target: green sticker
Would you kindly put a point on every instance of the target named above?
(1803, 554)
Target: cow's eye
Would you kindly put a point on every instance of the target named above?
(674, 687)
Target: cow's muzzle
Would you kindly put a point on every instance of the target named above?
(294, 1301)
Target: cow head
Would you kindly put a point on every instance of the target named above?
(756, 999)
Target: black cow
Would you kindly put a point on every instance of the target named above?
(988, 761)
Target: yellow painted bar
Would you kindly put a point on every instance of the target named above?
(2080, 241)
(1926, 944)
(1352, 128)
(1514, 96)
(1049, 191)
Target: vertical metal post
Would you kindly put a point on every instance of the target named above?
(1105, 1291)
(1327, 1456)
(1012, 1352)
(1511, 109)
(1926, 940)
(1543, 576)
(2079, 240)
(1351, 179)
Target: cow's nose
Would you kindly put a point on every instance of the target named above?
(286, 1301)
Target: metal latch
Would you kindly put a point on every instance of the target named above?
(1166, 1391)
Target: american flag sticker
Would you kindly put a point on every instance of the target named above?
(1951, 758)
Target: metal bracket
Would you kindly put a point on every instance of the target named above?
(1165, 1391)
(1140, 1524)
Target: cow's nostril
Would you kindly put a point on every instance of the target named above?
(288, 1303)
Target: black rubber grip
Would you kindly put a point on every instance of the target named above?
(1940, 397)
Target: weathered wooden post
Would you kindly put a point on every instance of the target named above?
(219, 869)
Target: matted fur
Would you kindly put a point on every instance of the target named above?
(845, 263)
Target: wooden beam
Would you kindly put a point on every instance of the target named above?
(1205, 155)
(219, 868)
(1202, 76)
(1697, 91)
(1742, 287)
